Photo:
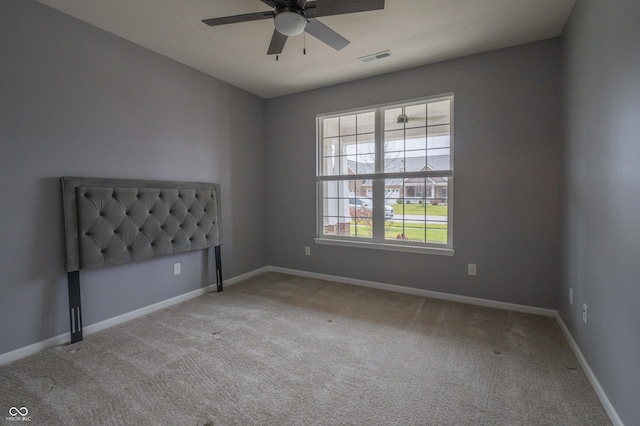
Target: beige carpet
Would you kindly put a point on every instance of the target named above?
(284, 350)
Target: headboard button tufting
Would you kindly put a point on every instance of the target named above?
(114, 217)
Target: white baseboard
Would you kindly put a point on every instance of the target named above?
(89, 329)
(143, 311)
(420, 292)
(34, 348)
(246, 276)
(604, 400)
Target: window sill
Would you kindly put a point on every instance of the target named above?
(386, 246)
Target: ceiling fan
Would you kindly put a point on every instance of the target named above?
(292, 17)
(404, 118)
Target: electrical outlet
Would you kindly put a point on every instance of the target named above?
(472, 269)
(584, 312)
(307, 251)
(176, 269)
(570, 296)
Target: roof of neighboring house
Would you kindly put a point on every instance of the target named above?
(409, 164)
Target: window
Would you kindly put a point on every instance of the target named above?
(385, 176)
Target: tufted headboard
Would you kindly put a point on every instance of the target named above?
(116, 221)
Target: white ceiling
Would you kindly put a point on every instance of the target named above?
(417, 32)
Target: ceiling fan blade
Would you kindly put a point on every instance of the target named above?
(277, 43)
(341, 7)
(326, 34)
(274, 3)
(239, 18)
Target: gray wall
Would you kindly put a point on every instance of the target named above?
(507, 177)
(601, 81)
(77, 101)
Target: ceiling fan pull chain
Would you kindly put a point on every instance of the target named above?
(304, 43)
(277, 57)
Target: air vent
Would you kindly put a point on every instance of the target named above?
(375, 56)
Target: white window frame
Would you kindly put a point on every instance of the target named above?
(378, 241)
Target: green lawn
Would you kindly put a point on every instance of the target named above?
(435, 233)
(420, 209)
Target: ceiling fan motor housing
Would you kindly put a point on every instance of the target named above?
(289, 21)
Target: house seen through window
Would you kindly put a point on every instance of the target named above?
(385, 176)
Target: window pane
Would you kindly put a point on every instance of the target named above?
(330, 164)
(394, 140)
(412, 146)
(365, 154)
(416, 138)
(438, 147)
(419, 210)
(394, 151)
(361, 211)
(416, 161)
(335, 207)
(392, 119)
(416, 116)
(406, 117)
(394, 162)
(415, 149)
(404, 150)
(348, 125)
(348, 151)
(366, 143)
(439, 113)
(440, 131)
(345, 151)
(366, 122)
(331, 127)
(342, 215)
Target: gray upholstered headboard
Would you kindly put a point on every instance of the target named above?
(115, 221)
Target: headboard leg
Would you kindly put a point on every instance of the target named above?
(218, 268)
(75, 310)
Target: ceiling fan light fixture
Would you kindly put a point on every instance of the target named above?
(290, 23)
